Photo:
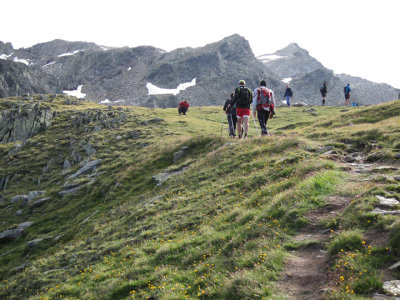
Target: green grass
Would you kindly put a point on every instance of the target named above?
(219, 230)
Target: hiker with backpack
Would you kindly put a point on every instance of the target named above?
(324, 91)
(288, 94)
(347, 91)
(231, 115)
(264, 105)
(242, 99)
(183, 107)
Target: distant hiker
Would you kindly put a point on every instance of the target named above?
(324, 91)
(242, 99)
(288, 94)
(183, 107)
(263, 104)
(347, 91)
(231, 115)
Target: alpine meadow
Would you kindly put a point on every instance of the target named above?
(122, 202)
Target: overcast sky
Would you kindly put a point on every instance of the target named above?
(356, 37)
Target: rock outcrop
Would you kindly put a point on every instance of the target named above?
(18, 79)
(18, 123)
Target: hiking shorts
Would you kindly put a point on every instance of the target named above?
(243, 112)
(347, 96)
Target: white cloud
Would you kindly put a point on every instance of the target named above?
(76, 93)
(154, 90)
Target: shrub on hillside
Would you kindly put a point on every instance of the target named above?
(346, 241)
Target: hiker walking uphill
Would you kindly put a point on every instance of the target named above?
(347, 91)
(242, 99)
(324, 91)
(231, 115)
(183, 107)
(288, 94)
(264, 105)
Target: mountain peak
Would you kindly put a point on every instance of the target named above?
(6, 48)
(292, 49)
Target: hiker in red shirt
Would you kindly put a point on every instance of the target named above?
(183, 107)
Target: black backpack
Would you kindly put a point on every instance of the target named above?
(244, 96)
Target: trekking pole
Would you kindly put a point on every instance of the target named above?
(258, 132)
(222, 124)
(231, 130)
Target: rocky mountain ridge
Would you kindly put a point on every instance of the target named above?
(123, 75)
(306, 75)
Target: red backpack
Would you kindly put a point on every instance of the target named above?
(263, 98)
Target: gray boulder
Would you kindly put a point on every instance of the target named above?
(387, 202)
(349, 159)
(73, 190)
(66, 164)
(325, 149)
(164, 176)
(90, 150)
(134, 135)
(179, 154)
(34, 194)
(39, 202)
(3, 182)
(33, 243)
(378, 211)
(392, 287)
(25, 225)
(395, 267)
(19, 268)
(13, 234)
(20, 198)
(87, 168)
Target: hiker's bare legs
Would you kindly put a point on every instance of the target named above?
(239, 126)
(246, 125)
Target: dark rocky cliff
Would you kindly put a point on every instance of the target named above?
(18, 79)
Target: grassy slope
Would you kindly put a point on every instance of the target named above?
(217, 231)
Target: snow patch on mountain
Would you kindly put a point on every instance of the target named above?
(53, 62)
(155, 90)
(76, 93)
(21, 60)
(287, 80)
(5, 56)
(69, 53)
(269, 57)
